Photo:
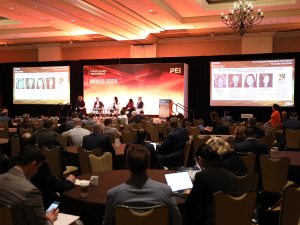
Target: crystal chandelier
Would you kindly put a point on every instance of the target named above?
(242, 17)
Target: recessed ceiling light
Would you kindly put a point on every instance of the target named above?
(41, 18)
(72, 20)
(91, 19)
(168, 22)
(150, 10)
(11, 8)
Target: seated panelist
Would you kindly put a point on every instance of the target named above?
(98, 104)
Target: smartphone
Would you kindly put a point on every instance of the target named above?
(53, 205)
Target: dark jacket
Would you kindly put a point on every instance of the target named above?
(233, 162)
(62, 128)
(291, 124)
(140, 105)
(154, 162)
(47, 138)
(284, 119)
(25, 125)
(229, 118)
(206, 184)
(171, 151)
(95, 140)
(4, 119)
(142, 117)
(238, 140)
(135, 119)
(259, 132)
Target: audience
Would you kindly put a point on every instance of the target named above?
(139, 190)
(207, 182)
(141, 116)
(291, 124)
(171, 151)
(134, 118)
(259, 133)
(284, 117)
(4, 118)
(78, 111)
(70, 123)
(226, 117)
(239, 134)
(141, 136)
(229, 159)
(215, 121)
(90, 120)
(77, 133)
(98, 140)
(26, 123)
(123, 116)
(63, 126)
(109, 129)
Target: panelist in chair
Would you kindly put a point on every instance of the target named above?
(98, 104)
(81, 105)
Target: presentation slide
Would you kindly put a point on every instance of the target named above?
(151, 82)
(252, 83)
(41, 85)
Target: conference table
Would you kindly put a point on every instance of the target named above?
(212, 136)
(92, 209)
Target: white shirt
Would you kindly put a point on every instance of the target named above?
(76, 134)
(98, 105)
(123, 116)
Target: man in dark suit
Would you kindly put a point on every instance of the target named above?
(4, 118)
(98, 104)
(97, 139)
(141, 116)
(259, 133)
(235, 80)
(227, 117)
(141, 135)
(291, 124)
(134, 118)
(171, 151)
(140, 103)
(26, 123)
(63, 126)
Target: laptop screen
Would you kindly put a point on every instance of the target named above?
(201, 127)
(179, 181)
(154, 144)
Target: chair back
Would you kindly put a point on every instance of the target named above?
(115, 121)
(117, 126)
(62, 140)
(245, 182)
(187, 123)
(128, 136)
(292, 138)
(38, 128)
(102, 163)
(53, 160)
(226, 123)
(249, 160)
(144, 124)
(241, 208)
(232, 129)
(153, 130)
(259, 125)
(90, 128)
(193, 130)
(137, 125)
(290, 209)
(70, 141)
(187, 152)
(55, 121)
(200, 141)
(125, 215)
(23, 130)
(162, 128)
(4, 133)
(128, 126)
(198, 122)
(84, 159)
(122, 121)
(35, 120)
(41, 123)
(271, 130)
(148, 125)
(7, 215)
(4, 125)
(245, 124)
(263, 140)
(274, 172)
(15, 148)
(229, 139)
(111, 137)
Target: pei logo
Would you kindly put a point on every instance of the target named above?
(175, 70)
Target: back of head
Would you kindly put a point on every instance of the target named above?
(98, 127)
(180, 116)
(252, 121)
(26, 139)
(62, 119)
(26, 116)
(107, 122)
(226, 113)
(133, 113)
(77, 122)
(3, 113)
(47, 124)
(284, 113)
(294, 115)
(208, 154)
(250, 133)
(239, 132)
(141, 134)
(215, 117)
(219, 145)
(122, 112)
(74, 115)
(141, 112)
(30, 154)
(137, 158)
(91, 115)
(277, 108)
(174, 122)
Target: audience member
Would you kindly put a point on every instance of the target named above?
(79, 114)
(141, 116)
(70, 123)
(90, 120)
(226, 117)
(171, 151)
(140, 190)
(63, 126)
(4, 118)
(123, 116)
(77, 133)
(259, 133)
(292, 124)
(109, 129)
(284, 117)
(47, 137)
(98, 140)
(229, 159)
(134, 118)
(26, 123)
(207, 182)
(239, 134)
(215, 121)
(141, 136)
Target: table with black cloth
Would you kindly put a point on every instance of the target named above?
(92, 209)
(294, 169)
(118, 161)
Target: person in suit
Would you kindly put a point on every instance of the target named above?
(109, 129)
(25, 124)
(30, 83)
(98, 140)
(134, 118)
(63, 126)
(141, 136)
(284, 117)
(4, 118)
(139, 190)
(141, 116)
(250, 81)
(90, 120)
(77, 133)
(265, 81)
(239, 134)
(235, 81)
(98, 104)
(17, 191)
(139, 104)
(210, 180)
(259, 133)
(70, 123)
(171, 151)
(226, 117)
(291, 124)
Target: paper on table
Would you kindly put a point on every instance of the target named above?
(65, 219)
(79, 181)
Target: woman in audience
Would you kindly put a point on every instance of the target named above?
(215, 121)
(123, 116)
(239, 134)
(276, 116)
(229, 159)
(207, 182)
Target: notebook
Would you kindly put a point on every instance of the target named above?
(179, 182)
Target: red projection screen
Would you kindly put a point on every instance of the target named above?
(252, 83)
(149, 81)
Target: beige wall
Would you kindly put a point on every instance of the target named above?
(24, 55)
(286, 44)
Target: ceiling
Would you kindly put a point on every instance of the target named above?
(130, 21)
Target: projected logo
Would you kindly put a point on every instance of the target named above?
(61, 80)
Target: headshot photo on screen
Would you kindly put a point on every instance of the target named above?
(234, 80)
(250, 81)
(50, 82)
(20, 83)
(30, 83)
(40, 83)
(220, 81)
(265, 80)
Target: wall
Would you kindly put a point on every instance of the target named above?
(22, 55)
(286, 44)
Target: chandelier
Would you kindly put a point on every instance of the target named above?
(242, 18)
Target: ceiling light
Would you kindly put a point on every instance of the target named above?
(72, 20)
(168, 22)
(11, 8)
(41, 18)
(91, 19)
(150, 10)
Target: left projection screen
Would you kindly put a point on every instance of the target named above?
(41, 85)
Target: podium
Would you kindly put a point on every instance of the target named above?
(165, 108)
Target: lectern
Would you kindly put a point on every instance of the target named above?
(165, 108)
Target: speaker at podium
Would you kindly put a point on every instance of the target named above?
(165, 108)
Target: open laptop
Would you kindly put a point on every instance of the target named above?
(179, 182)
(154, 145)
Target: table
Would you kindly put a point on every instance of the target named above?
(212, 136)
(12, 130)
(92, 209)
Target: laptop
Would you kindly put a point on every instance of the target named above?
(179, 182)
(154, 144)
(201, 127)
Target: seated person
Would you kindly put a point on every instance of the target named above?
(229, 159)
(70, 123)
(123, 116)
(77, 133)
(259, 133)
(134, 118)
(284, 117)
(227, 117)
(141, 116)
(47, 137)
(26, 123)
(171, 151)
(90, 120)
(141, 136)
(139, 190)
(4, 118)
(210, 180)
(239, 134)
(63, 126)
(215, 121)
(98, 104)
(109, 129)
(291, 124)
(98, 140)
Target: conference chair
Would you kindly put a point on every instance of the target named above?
(154, 134)
(41, 123)
(200, 141)
(279, 127)
(148, 125)
(117, 126)
(4, 125)
(269, 141)
(115, 121)
(229, 139)
(162, 122)
(137, 125)
(111, 137)
(198, 122)
(249, 160)
(90, 128)
(38, 128)
(63, 140)
(84, 161)
(271, 130)
(101, 164)
(245, 181)
(15, 149)
(187, 152)
(259, 125)
(193, 130)
(4, 133)
(232, 129)
(263, 140)
(122, 121)
(7, 215)
(292, 138)
(23, 130)
(226, 123)
(187, 123)
(245, 124)
(35, 120)
(162, 129)
(144, 124)
(128, 126)
(70, 141)
(126, 215)
(128, 136)
(238, 209)
(274, 172)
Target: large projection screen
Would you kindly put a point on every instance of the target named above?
(252, 83)
(149, 81)
(41, 85)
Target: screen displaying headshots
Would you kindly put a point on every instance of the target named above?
(252, 83)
